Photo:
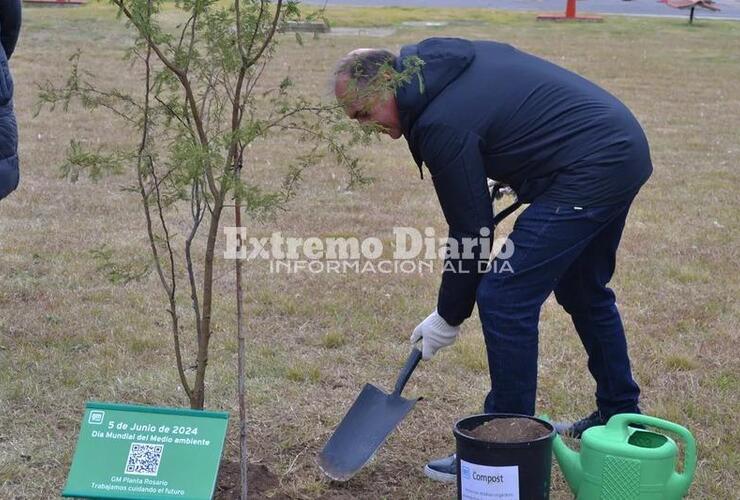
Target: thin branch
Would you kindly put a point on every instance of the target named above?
(173, 300)
(197, 212)
(270, 34)
(293, 112)
(185, 122)
(237, 12)
(161, 180)
(182, 33)
(169, 287)
(206, 97)
(192, 38)
(257, 24)
(183, 77)
(157, 50)
(198, 119)
(252, 82)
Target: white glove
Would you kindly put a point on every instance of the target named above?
(498, 190)
(435, 333)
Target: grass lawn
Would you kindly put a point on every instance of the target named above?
(68, 334)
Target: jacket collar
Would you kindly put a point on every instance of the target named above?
(444, 59)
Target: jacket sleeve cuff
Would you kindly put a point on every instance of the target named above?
(453, 318)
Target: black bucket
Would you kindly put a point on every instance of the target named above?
(510, 471)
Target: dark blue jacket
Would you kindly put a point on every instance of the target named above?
(10, 23)
(484, 110)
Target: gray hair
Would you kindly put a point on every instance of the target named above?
(363, 66)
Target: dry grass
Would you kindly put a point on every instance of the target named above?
(67, 334)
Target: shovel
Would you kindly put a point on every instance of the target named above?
(372, 417)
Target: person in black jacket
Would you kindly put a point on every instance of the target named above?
(10, 24)
(483, 110)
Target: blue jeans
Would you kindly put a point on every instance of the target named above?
(571, 251)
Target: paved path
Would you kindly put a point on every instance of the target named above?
(730, 8)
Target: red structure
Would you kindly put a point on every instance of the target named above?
(570, 15)
(692, 4)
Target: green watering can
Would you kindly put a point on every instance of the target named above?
(618, 462)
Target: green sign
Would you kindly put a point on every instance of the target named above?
(146, 452)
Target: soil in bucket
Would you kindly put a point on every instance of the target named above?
(508, 430)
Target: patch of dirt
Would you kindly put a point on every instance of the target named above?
(263, 483)
(508, 430)
(329, 495)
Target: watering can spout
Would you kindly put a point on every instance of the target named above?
(570, 463)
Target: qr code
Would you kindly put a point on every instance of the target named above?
(143, 459)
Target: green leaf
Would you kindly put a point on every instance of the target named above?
(118, 273)
(94, 165)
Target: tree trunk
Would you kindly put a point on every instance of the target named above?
(197, 401)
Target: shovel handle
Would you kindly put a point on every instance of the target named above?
(407, 370)
(506, 212)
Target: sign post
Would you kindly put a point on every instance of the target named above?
(133, 452)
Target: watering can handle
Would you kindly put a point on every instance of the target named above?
(624, 419)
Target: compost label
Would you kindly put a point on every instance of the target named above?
(484, 482)
(133, 452)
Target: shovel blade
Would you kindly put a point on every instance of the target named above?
(364, 428)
